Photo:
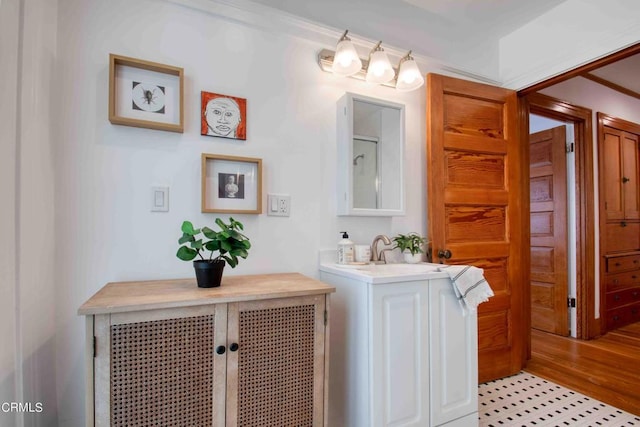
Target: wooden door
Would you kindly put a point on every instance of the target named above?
(476, 171)
(548, 207)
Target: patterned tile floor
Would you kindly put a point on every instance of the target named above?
(527, 400)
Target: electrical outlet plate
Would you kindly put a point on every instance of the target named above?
(278, 205)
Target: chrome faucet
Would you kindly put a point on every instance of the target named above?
(379, 256)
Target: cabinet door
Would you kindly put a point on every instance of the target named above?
(611, 174)
(630, 176)
(399, 358)
(275, 370)
(453, 337)
(158, 367)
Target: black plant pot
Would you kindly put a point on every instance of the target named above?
(208, 274)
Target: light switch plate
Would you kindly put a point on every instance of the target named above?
(159, 199)
(278, 205)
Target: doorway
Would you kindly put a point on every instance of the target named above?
(579, 221)
(552, 224)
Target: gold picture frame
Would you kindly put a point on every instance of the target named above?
(231, 184)
(145, 94)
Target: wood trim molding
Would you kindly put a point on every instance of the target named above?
(614, 122)
(611, 85)
(609, 59)
(587, 325)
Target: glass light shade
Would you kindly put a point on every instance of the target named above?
(380, 69)
(346, 61)
(409, 76)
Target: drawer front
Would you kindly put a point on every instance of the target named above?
(623, 263)
(619, 317)
(617, 281)
(623, 238)
(623, 297)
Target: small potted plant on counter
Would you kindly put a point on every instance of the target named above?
(229, 243)
(411, 246)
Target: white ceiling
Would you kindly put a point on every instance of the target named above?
(500, 17)
(624, 73)
(419, 24)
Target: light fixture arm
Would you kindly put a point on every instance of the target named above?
(376, 48)
(407, 57)
(344, 36)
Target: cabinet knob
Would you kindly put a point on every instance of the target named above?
(625, 180)
(616, 297)
(634, 277)
(616, 318)
(446, 254)
(623, 223)
(635, 294)
(615, 281)
(234, 347)
(221, 349)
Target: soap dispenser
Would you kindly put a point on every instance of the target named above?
(345, 249)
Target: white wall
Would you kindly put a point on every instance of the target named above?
(572, 34)
(9, 35)
(27, 189)
(105, 231)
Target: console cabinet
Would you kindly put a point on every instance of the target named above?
(250, 353)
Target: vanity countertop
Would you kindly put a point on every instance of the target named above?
(385, 273)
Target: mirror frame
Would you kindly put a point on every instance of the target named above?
(344, 172)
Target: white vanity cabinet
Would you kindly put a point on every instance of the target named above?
(402, 351)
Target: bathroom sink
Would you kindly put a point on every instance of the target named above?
(394, 269)
(384, 273)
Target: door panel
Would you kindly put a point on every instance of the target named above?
(475, 206)
(611, 174)
(631, 171)
(548, 205)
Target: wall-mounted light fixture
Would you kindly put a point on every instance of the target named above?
(377, 69)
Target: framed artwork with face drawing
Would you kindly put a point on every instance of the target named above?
(231, 184)
(223, 116)
(145, 94)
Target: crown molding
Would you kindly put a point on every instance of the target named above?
(562, 63)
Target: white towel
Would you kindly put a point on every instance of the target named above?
(469, 284)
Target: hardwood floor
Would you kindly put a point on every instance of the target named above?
(606, 369)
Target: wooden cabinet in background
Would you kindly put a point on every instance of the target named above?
(619, 172)
(249, 353)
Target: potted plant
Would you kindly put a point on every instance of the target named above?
(411, 246)
(229, 243)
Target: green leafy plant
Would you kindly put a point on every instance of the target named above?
(411, 242)
(229, 242)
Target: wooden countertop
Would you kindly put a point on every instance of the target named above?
(119, 297)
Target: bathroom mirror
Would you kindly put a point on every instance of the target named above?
(370, 156)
